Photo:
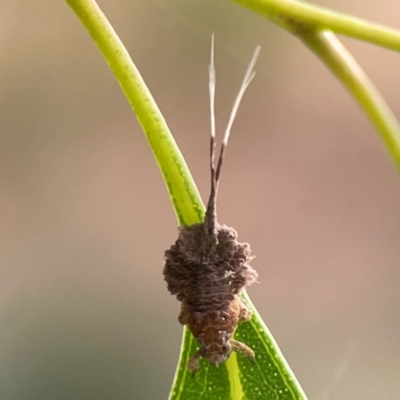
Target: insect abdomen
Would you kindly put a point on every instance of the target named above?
(207, 278)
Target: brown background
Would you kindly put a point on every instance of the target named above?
(85, 218)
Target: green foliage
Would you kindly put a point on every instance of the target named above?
(270, 377)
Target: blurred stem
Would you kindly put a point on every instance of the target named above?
(314, 26)
(185, 197)
(332, 52)
(293, 14)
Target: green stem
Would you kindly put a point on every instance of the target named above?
(331, 51)
(314, 26)
(185, 197)
(291, 13)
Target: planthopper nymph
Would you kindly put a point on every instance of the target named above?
(207, 268)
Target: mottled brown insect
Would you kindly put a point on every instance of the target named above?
(207, 268)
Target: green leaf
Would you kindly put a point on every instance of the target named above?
(270, 377)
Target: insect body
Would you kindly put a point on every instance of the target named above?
(207, 268)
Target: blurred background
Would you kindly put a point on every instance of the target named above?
(85, 217)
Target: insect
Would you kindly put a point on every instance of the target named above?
(207, 268)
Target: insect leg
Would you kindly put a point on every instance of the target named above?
(242, 348)
(193, 364)
(245, 313)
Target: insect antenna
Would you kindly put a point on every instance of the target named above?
(211, 213)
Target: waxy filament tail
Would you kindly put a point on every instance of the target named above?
(211, 217)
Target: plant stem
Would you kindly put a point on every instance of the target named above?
(292, 12)
(185, 197)
(332, 52)
(314, 26)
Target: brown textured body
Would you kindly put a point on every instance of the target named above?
(207, 274)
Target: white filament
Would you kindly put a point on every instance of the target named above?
(248, 77)
(211, 86)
